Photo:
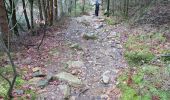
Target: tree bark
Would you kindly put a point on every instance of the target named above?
(83, 5)
(55, 10)
(3, 21)
(32, 16)
(25, 14)
(51, 12)
(14, 20)
(108, 8)
(45, 10)
(40, 10)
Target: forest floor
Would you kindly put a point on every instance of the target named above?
(80, 60)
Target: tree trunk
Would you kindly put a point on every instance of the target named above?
(51, 12)
(75, 5)
(44, 10)
(83, 5)
(40, 10)
(113, 7)
(14, 20)
(3, 21)
(25, 14)
(55, 10)
(108, 8)
(32, 16)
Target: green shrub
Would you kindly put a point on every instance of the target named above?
(19, 81)
(3, 87)
(139, 57)
(166, 56)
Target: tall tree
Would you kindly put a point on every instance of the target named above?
(3, 21)
(14, 20)
(51, 12)
(40, 10)
(44, 10)
(55, 10)
(83, 5)
(25, 14)
(31, 15)
(108, 8)
(75, 5)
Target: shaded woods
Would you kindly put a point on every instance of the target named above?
(47, 45)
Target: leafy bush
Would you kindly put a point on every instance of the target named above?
(111, 21)
(139, 57)
(145, 84)
(19, 81)
(147, 81)
(166, 56)
(3, 87)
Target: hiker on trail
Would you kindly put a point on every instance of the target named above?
(97, 4)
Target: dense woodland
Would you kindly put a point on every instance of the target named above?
(142, 28)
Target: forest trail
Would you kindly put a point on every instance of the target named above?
(89, 49)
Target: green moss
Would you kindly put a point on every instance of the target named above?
(19, 81)
(54, 52)
(3, 87)
(147, 80)
(111, 21)
(139, 57)
(7, 70)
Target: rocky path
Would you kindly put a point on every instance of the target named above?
(86, 63)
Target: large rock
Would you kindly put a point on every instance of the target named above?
(19, 92)
(27, 61)
(71, 79)
(34, 81)
(75, 64)
(98, 26)
(54, 52)
(106, 77)
(42, 83)
(38, 74)
(76, 46)
(65, 90)
(89, 36)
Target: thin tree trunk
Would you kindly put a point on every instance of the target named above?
(75, 4)
(55, 10)
(113, 6)
(44, 10)
(40, 10)
(108, 8)
(32, 16)
(14, 20)
(83, 5)
(25, 14)
(51, 12)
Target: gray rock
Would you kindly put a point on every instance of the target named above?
(38, 74)
(99, 26)
(71, 79)
(54, 52)
(34, 81)
(42, 83)
(19, 92)
(27, 61)
(75, 64)
(65, 90)
(104, 96)
(106, 77)
(89, 36)
(76, 46)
